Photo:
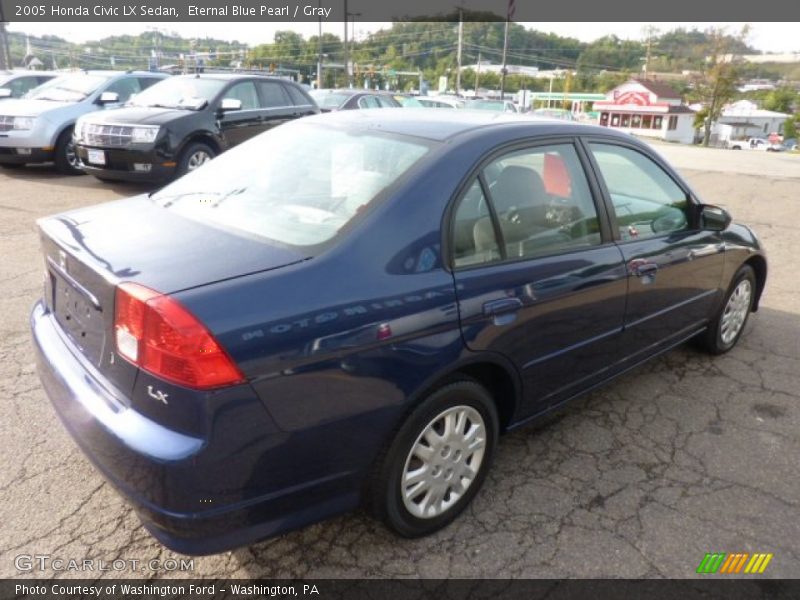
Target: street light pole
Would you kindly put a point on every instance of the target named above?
(319, 52)
(503, 72)
(460, 44)
(346, 57)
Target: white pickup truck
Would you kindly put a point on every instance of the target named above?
(749, 144)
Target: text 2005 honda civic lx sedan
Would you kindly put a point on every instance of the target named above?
(349, 308)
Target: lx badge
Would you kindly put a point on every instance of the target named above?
(157, 395)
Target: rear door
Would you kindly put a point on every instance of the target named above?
(537, 276)
(240, 125)
(278, 107)
(303, 104)
(674, 267)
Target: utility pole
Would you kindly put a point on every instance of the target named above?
(503, 71)
(478, 74)
(346, 57)
(5, 55)
(650, 30)
(509, 16)
(319, 53)
(460, 44)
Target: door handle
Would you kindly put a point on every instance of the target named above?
(503, 310)
(641, 267)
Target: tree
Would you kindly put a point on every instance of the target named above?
(781, 100)
(718, 81)
(790, 129)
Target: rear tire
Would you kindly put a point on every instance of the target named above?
(729, 322)
(66, 159)
(437, 461)
(12, 166)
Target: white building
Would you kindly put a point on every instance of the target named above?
(649, 109)
(487, 67)
(743, 119)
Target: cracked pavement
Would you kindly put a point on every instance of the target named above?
(685, 455)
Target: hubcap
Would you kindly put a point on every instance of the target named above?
(735, 312)
(443, 462)
(69, 153)
(198, 158)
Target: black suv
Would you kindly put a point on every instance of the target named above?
(180, 123)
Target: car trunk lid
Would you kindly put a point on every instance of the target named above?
(89, 251)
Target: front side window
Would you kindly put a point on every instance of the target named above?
(542, 205)
(298, 184)
(646, 200)
(245, 92)
(125, 88)
(368, 102)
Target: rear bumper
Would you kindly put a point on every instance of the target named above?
(119, 164)
(194, 495)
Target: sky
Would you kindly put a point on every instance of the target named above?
(767, 37)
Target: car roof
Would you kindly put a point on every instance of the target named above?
(445, 125)
(230, 76)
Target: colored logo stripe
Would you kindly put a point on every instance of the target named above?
(758, 563)
(725, 563)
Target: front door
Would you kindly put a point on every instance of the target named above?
(537, 280)
(674, 268)
(240, 125)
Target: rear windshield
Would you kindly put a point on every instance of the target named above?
(298, 184)
(68, 88)
(329, 99)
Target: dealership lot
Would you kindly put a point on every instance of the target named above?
(683, 456)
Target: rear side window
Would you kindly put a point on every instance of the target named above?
(471, 244)
(647, 202)
(384, 102)
(272, 94)
(298, 98)
(542, 205)
(368, 102)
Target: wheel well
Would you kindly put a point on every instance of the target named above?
(203, 139)
(499, 383)
(759, 265)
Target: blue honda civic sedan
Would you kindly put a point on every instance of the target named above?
(348, 310)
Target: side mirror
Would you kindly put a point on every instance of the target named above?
(108, 98)
(714, 218)
(229, 104)
(5, 93)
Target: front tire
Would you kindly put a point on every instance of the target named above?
(193, 157)
(729, 322)
(438, 460)
(66, 158)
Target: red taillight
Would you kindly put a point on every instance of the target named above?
(159, 335)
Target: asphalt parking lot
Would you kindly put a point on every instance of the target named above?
(683, 456)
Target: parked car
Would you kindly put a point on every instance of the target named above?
(494, 105)
(754, 143)
(349, 99)
(439, 102)
(15, 84)
(347, 309)
(554, 113)
(184, 121)
(38, 128)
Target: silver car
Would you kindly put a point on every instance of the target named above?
(14, 84)
(38, 127)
